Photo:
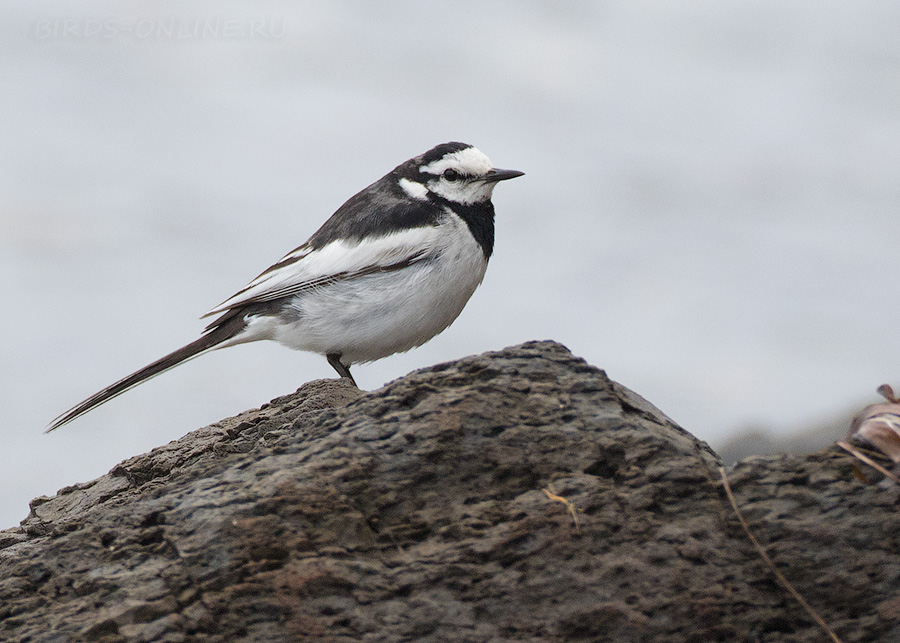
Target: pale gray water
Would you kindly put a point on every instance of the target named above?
(709, 213)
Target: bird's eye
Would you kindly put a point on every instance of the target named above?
(452, 175)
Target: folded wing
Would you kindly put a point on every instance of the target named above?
(305, 268)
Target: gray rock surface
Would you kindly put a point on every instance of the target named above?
(418, 512)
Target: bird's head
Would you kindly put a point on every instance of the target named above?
(457, 172)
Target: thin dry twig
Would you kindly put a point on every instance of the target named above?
(762, 552)
(856, 453)
(551, 493)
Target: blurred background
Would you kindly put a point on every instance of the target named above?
(710, 209)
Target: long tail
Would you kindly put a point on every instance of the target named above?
(223, 329)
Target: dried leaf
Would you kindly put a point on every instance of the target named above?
(879, 424)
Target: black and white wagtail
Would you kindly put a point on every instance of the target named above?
(392, 268)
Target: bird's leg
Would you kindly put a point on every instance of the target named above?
(344, 371)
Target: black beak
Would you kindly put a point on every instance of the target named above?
(501, 175)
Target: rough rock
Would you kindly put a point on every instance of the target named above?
(513, 496)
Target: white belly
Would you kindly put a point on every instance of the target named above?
(370, 317)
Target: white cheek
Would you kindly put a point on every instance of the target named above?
(462, 192)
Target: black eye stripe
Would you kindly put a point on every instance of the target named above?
(452, 175)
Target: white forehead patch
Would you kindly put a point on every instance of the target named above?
(470, 161)
(413, 189)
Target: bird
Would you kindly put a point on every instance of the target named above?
(390, 269)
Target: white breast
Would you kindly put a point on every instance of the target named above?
(377, 315)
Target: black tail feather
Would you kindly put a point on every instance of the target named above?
(215, 336)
